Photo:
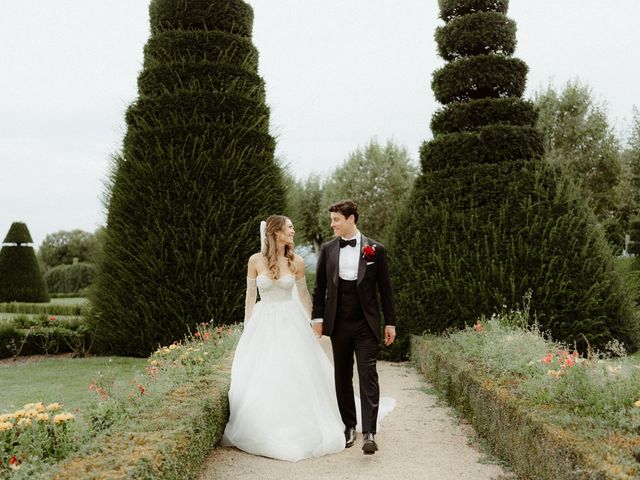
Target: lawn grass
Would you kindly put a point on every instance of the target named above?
(62, 379)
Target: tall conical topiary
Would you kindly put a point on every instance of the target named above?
(488, 220)
(20, 277)
(196, 175)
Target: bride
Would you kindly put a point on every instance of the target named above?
(282, 398)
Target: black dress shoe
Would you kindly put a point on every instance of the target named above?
(350, 436)
(369, 446)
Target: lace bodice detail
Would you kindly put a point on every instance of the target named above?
(279, 290)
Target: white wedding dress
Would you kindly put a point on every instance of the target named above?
(282, 398)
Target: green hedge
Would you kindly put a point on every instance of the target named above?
(483, 235)
(43, 308)
(75, 337)
(18, 233)
(480, 76)
(473, 114)
(490, 144)
(456, 8)
(70, 279)
(191, 107)
(160, 435)
(476, 34)
(535, 449)
(156, 80)
(231, 16)
(634, 233)
(196, 175)
(216, 47)
(20, 276)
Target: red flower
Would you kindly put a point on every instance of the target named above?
(14, 461)
(548, 358)
(368, 252)
(53, 318)
(197, 334)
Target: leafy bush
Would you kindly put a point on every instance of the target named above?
(46, 309)
(196, 175)
(70, 278)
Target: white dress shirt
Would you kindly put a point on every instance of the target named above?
(349, 259)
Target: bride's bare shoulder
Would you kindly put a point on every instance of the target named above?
(256, 258)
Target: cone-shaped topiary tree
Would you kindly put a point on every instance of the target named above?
(196, 175)
(20, 277)
(488, 220)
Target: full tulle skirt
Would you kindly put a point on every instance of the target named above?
(282, 398)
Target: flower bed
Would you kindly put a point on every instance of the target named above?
(548, 411)
(162, 426)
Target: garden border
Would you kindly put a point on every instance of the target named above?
(533, 448)
(174, 442)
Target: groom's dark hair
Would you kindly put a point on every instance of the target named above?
(346, 208)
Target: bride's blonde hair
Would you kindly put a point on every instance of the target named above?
(275, 224)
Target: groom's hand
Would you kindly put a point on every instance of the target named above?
(389, 335)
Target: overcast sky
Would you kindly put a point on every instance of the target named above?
(338, 72)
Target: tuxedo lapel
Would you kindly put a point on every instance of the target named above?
(362, 262)
(334, 260)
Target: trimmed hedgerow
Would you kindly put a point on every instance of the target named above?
(476, 34)
(450, 9)
(196, 175)
(489, 144)
(473, 114)
(489, 220)
(70, 278)
(480, 76)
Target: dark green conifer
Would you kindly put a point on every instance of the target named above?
(488, 219)
(20, 277)
(196, 175)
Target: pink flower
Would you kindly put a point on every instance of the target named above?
(197, 334)
(548, 359)
(478, 326)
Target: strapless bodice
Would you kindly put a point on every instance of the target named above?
(279, 290)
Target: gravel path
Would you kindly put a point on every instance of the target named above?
(420, 439)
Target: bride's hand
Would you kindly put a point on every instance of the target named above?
(317, 329)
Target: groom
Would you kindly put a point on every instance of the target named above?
(351, 270)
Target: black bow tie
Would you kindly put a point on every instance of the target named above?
(344, 243)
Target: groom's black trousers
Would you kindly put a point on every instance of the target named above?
(352, 334)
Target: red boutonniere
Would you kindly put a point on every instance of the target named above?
(368, 252)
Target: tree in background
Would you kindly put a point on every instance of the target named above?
(578, 138)
(60, 248)
(631, 157)
(305, 201)
(196, 175)
(20, 276)
(488, 220)
(379, 179)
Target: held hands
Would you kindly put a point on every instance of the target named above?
(317, 329)
(389, 335)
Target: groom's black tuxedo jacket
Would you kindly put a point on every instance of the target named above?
(371, 274)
